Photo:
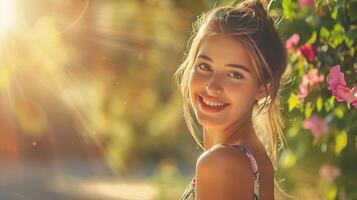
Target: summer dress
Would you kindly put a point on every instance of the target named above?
(189, 193)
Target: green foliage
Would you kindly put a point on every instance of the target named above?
(329, 27)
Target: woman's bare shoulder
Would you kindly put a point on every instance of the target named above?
(223, 153)
(223, 171)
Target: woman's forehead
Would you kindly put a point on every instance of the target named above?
(223, 47)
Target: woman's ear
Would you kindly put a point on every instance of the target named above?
(261, 92)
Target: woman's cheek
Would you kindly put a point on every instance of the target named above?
(196, 80)
(192, 85)
(233, 86)
(238, 92)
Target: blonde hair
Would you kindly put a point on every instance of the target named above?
(250, 24)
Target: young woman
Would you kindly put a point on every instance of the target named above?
(230, 80)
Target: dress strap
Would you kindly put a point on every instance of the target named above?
(256, 173)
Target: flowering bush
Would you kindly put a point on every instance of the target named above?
(321, 98)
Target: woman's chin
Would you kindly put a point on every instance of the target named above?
(210, 124)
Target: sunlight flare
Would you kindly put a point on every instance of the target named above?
(7, 14)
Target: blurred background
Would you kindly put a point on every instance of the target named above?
(89, 109)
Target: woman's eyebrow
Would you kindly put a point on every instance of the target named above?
(239, 67)
(228, 65)
(205, 57)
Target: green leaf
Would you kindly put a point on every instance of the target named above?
(312, 38)
(349, 42)
(324, 33)
(332, 193)
(329, 103)
(341, 142)
(288, 159)
(334, 14)
(337, 35)
(293, 130)
(300, 66)
(339, 113)
(319, 104)
(338, 28)
(287, 9)
(308, 111)
(293, 101)
(294, 57)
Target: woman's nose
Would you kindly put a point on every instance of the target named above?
(213, 87)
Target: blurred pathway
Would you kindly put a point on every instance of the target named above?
(72, 181)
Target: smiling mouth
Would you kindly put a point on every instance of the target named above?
(210, 106)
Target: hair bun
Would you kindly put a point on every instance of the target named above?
(257, 9)
(255, 4)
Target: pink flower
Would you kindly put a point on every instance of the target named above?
(314, 78)
(308, 51)
(311, 78)
(303, 91)
(329, 172)
(343, 93)
(316, 125)
(292, 41)
(335, 78)
(354, 103)
(337, 85)
(308, 3)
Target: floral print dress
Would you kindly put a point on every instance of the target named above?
(189, 193)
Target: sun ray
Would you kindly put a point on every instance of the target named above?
(7, 14)
(78, 19)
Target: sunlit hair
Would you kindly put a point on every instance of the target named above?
(249, 23)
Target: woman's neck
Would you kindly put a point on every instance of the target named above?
(241, 133)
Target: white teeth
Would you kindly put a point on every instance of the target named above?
(214, 104)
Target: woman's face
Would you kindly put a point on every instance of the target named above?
(223, 83)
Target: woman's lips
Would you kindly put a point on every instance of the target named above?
(210, 109)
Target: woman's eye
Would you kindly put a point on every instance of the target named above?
(203, 66)
(236, 75)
